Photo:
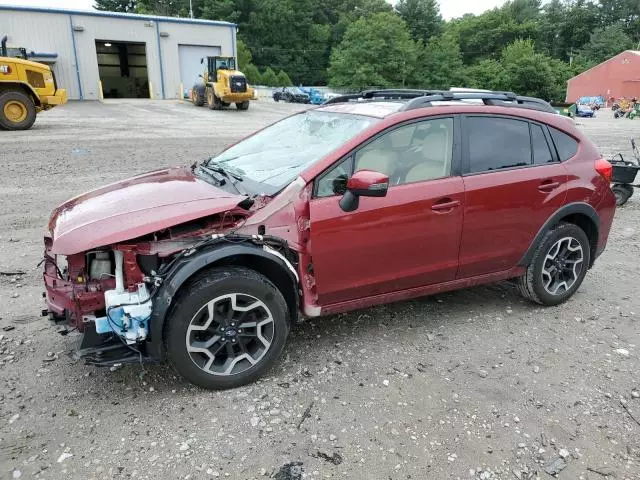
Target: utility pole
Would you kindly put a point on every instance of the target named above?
(190, 9)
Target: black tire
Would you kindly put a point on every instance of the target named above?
(212, 101)
(197, 98)
(622, 192)
(276, 98)
(12, 101)
(203, 289)
(243, 105)
(532, 285)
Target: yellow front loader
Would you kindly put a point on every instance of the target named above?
(26, 88)
(221, 85)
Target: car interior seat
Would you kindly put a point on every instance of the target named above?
(434, 145)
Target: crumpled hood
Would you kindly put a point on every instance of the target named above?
(135, 207)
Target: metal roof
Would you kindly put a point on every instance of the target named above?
(127, 16)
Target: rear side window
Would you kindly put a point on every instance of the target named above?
(497, 143)
(541, 151)
(566, 146)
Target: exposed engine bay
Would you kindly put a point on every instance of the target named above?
(110, 294)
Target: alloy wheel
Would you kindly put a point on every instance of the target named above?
(562, 265)
(230, 334)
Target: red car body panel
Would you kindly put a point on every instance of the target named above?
(393, 243)
(503, 211)
(135, 207)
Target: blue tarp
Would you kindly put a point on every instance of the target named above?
(590, 101)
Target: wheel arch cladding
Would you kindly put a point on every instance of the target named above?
(20, 87)
(580, 214)
(274, 268)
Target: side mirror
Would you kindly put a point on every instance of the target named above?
(201, 61)
(364, 183)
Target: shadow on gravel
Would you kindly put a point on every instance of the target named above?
(311, 338)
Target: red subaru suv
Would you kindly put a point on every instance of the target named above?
(368, 199)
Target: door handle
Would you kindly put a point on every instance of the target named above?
(444, 205)
(548, 185)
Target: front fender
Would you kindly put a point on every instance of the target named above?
(189, 265)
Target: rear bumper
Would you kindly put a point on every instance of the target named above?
(59, 98)
(606, 211)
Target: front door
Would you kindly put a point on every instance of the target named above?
(409, 238)
(513, 183)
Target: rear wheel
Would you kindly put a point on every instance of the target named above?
(212, 101)
(622, 192)
(558, 267)
(17, 111)
(227, 328)
(243, 105)
(197, 98)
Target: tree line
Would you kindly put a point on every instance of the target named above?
(524, 46)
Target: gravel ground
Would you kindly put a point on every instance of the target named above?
(475, 384)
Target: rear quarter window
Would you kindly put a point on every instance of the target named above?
(566, 145)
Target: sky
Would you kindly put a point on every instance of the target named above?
(449, 8)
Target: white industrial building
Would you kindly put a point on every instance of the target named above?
(98, 55)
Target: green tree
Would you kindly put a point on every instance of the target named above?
(244, 55)
(253, 74)
(283, 79)
(606, 43)
(168, 8)
(439, 64)
(375, 51)
(529, 73)
(126, 6)
(486, 74)
(422, 16)
(269, 78)
(484, 36)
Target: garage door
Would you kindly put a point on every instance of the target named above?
(190, 66)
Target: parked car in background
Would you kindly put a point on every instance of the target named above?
(291, 95)
(368, 199)
(585, 111)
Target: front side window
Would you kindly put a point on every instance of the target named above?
(412, 153)
(276, 155)
(497, 143)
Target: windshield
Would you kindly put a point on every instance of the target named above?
(225, 63)
(276, 155)
(296, 91)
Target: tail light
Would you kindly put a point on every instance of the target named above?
(604, 168)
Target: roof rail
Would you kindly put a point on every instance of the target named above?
(425, 98)
(388, 94)
(502, 99)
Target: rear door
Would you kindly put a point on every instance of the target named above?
(513, 183)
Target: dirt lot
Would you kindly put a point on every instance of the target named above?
(475, 384)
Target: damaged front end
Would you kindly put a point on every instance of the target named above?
(120, 297)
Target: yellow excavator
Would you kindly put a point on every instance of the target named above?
(26, 88)
(221, 85)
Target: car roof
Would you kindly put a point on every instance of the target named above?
(377, 109)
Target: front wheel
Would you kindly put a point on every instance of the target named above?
(227, 328)
(243, 105)
(558, 267)
(17, 111)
